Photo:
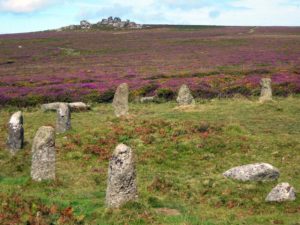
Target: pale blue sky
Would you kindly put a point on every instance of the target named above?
(33, 15)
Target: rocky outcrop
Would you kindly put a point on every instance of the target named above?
(110, 22)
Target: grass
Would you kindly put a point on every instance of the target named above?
(180, 158)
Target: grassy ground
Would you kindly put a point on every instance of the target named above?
(180, 158)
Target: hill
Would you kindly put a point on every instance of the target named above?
(88, 64)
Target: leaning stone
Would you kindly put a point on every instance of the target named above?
(253, 172)
(15, 140)
(148, 99)
(63, 122)
(120, 102)
(121, 186)
(43, 154)
(185, 97)
(266, 90)
(282, 192)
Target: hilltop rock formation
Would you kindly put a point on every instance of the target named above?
(110, 22)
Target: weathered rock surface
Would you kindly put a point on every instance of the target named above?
(74, 106)
(148, 99)
(253, 172)
(121, 186)
(185, 97)
(43, 154)
(120, 102)
(282, 192)
(266, 90)
(79, 106)
(84, 24)
(63, 122)
(15, 140)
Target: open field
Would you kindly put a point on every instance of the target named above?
(87, 66)
(180, 158)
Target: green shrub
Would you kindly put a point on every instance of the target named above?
(166, 93)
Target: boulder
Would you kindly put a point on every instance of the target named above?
(120, 102)
(15, 140)
(266, 90)
(282, 192)
(185, 97)
(121, 186)
(253, 172)
(63, 122)
(43, 154)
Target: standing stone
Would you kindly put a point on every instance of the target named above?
(120, 102)
(266, 90)
(185, 97)
(43, 154)
(63, 122)
(253, 172)
(121, 186)
(15, 140)
(282, 192)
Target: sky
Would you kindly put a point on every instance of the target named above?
(17, 16)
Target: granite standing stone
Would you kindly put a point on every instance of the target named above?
(253, 172)
(185, 97)
(121, 186)
(266, 90)
(282, 192)
(43, 154)
(63, 122)
(120, 102)
(15, 140)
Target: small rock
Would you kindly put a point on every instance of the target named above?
(253, 172)
(282, 192)
(43, 154)
(266, 90)
(185, 97)
(79, 106)
(120, 102)
(121, 186)
(148, 99)
(63, 122)
(15, 140)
